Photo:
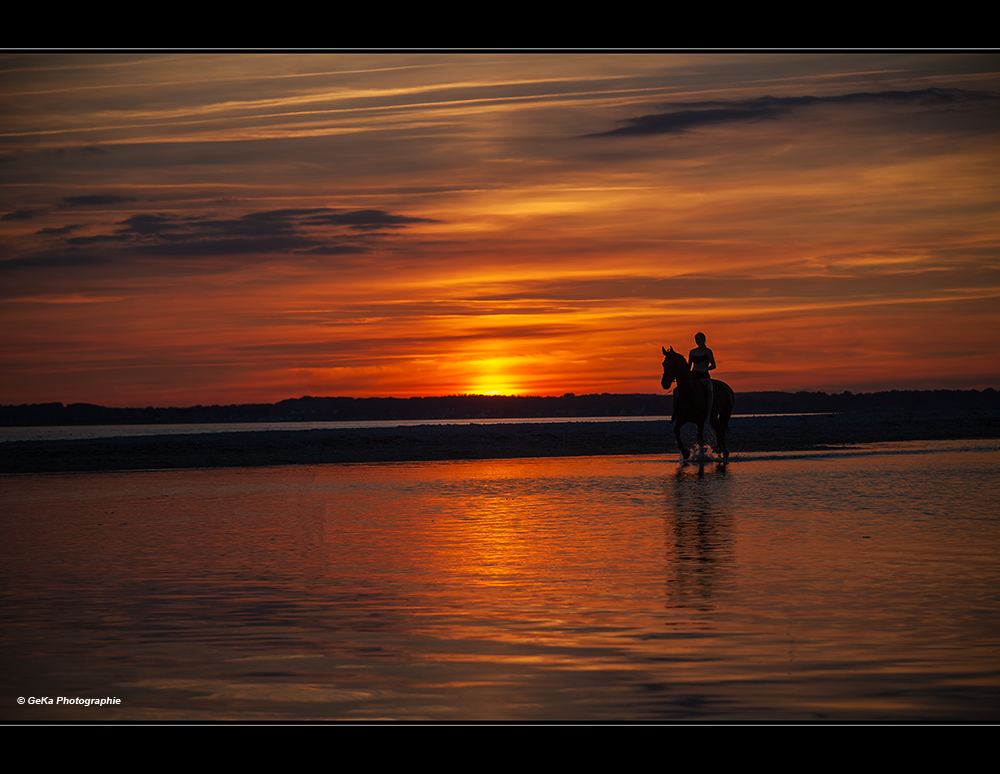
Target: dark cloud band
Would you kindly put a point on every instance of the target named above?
(687, 116)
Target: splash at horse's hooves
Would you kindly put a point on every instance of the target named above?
(704, 455)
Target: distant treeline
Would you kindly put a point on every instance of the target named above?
(309, 409)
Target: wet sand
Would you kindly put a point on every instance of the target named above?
(492, 441)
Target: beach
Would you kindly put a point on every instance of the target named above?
(747, 434)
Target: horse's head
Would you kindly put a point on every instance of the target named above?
(674, 363)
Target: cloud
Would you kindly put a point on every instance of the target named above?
(264, 225)
(67, 229)
(307, 232)
(147, 224)
(91, 200)
(364, 220)
(98, 239)
(687, 116)
(23, 214)
(315, 231)
(207, 248)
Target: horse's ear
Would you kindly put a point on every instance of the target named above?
(665, 351)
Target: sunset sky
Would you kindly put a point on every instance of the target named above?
(183, 228)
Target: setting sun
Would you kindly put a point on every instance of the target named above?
(494, 376)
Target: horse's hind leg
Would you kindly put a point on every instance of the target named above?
(721, 427)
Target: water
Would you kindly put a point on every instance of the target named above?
(861, 584)
(80, 432)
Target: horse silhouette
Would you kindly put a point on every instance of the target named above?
(690, 402)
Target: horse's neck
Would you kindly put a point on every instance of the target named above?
(685, 380)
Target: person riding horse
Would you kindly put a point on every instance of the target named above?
(693, 385)
(702, 361)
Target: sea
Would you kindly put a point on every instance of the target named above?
(82, 432)
(859, 584)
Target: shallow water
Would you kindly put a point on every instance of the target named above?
(856, 584)
(80, 432)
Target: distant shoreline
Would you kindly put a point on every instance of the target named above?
(480, 441)
(473, 407)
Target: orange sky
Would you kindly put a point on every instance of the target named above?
(218, 228)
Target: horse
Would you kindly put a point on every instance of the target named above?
(690, 400)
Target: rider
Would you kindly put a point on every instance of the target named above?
(702, 360)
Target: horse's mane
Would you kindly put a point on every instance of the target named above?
(677, 355)
(680, 366)
(680, 362)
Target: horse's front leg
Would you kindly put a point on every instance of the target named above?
(720, 436)
(680, 444)
(701, 438)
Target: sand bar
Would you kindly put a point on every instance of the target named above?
(474, 441)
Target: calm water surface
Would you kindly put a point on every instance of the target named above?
(862, 584)
(77, 432)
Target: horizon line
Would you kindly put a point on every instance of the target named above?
(567, 395)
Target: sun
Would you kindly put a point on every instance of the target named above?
(493, 376)
(488, 386)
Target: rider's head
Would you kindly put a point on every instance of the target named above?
(699, 339)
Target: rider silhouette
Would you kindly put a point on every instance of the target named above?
(702, 360)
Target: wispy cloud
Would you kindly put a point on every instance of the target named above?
(95, 200)
(311, 231)
(22, 215)
(684, 117)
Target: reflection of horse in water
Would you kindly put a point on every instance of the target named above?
(690, 402)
